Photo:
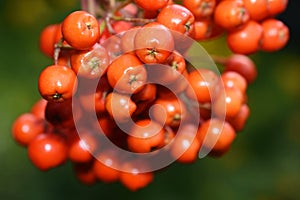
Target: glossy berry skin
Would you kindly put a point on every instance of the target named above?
(258, 9)
(57, 83)
(245, 40)
(200, 8)
(186, 146)
(238, 122)
(170, 71)
(126, 74)
(127, 40)
(94, 101)
(169, 111)
(106, 166)
(234, 79)
(47, 151)
(148, 93)
(81, 30)
(48, 38)
(151, 5)
(26, 128)
(132, 177)
(119, 106)
(153, 43)
(201, 85)
(216, 135)
(38, 108)
(231, 14)
(206, 29)
(81, 149)
(243, 65)
(90, 64)
(276, 7)
(146, 136)
(275, 35)
(228, 102)
(177, 18)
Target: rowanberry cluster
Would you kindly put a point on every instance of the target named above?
(124, 95)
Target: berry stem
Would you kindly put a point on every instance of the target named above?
(121, 5)
(89, 6)
(129, 19)
(219, 59)
(57, 48)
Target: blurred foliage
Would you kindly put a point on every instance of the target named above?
(263, 163)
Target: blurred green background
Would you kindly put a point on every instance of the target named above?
(263, 164)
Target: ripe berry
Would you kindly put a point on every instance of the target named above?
(200, 8)
(231, 14)
(81, 30)
(275, 35)
(153, 43)
(234, 79)
(216, 135)
(185, 146)
(90, 63)
(132, 177)
(170, 71)
(38, 109)
(151, 5)
(227, 103)
(126, 74)
(169, 111)
(127, 40)
(94, 101)
(145, 136)
(57, 83)
(177, 18)
(238, 121)
(48, 38)
(26, 128)
(106, 166)
(258, 9)
(81, 149)
(206, 29)
(202, 83)
(47, 151)
(245, 40)
(276, 7)
(243, 65)
(119, 106)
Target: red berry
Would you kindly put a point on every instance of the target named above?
(258, 9)
(275, 35)
(145, 136)
(245, 40)
(202, 84)
(47, 151)
(216, 135)
(132, 177)
(200, 8)
(151, 5)
(231, 14)
(106, 166)
(177, 18)
(26, 128)
(153, 43)
(81, 30)
(57, 83)
(243, 65)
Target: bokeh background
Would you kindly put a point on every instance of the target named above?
(263, 163)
